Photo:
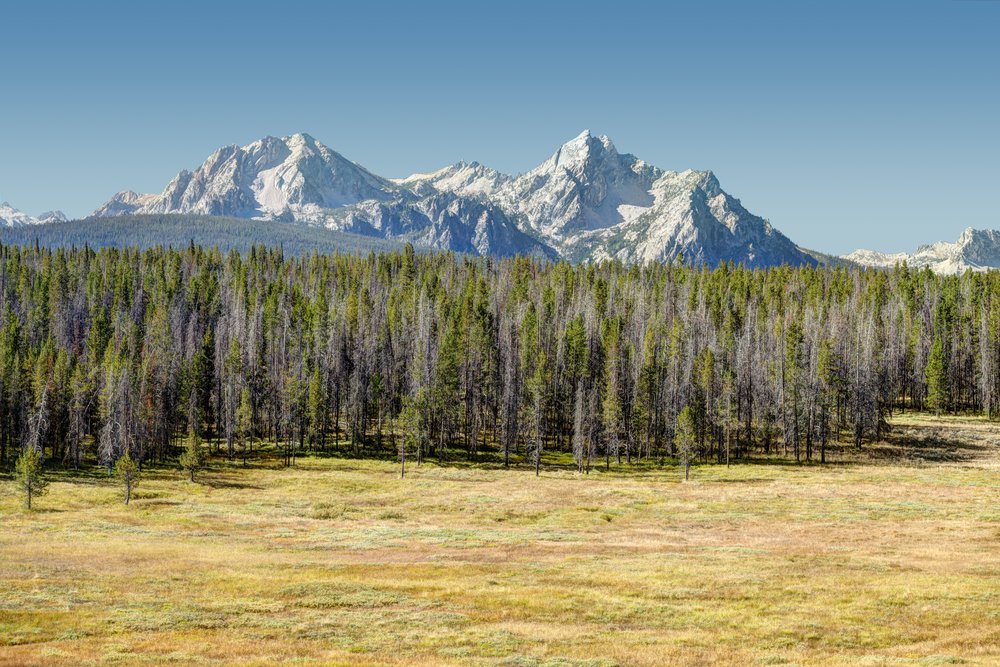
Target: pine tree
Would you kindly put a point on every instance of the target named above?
(29, 475)
(686, 438)
(827, 381)
(193, 459)
(936, 377)
(244, 423)
(409, 426)
(317, 409)
(127, 472)
(232, 371)
(648, 402)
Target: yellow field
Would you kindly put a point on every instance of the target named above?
(889, 558)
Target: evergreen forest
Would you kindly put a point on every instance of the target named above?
(135, 353)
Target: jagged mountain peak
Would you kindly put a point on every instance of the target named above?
(587, 137)
(52, 216)
(580, 187)
(299, 143)
(580, 153)
(292, 177)
(971, 236)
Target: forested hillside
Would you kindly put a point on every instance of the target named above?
(116, 351)
(170, 229)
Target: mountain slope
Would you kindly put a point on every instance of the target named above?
(442, 221)
(975, 249)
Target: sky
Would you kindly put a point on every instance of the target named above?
(846, 124)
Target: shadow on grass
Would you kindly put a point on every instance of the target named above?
(930, 441)
(85, 474)
(36, 509)
(215, 482)
(933, 447)
(746, 480)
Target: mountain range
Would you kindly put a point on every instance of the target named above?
(586, 202)
(975, 249)
(11, 217)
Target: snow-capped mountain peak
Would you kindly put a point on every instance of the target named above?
(290, 177)
(51, 216)
(578, 153)
(579, 188)
(12, 217)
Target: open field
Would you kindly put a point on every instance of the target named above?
(888, 557)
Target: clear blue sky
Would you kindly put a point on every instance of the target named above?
(848, 124)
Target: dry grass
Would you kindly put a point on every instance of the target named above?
(891, 559)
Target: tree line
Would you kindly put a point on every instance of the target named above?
(115, 353)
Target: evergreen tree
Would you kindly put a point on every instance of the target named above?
(244, 423)
(686, 439)
(409, 426)
(193, 458)
(936, 377)
(127, 472)
(29, 475)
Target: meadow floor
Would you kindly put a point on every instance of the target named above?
(887, 557)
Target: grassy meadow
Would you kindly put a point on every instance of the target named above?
(890, 556)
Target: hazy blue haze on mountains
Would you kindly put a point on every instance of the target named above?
(847, 124)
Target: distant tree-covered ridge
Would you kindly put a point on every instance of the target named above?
(111, 352)
(176, 230)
